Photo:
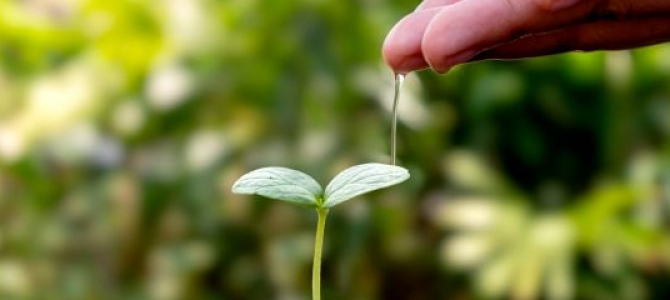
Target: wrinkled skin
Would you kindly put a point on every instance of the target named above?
(440, 34)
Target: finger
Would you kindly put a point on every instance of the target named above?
(461, 30)
(402, 47)
(427, 4)
(604, 35)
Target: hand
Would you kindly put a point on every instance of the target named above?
(443, 33)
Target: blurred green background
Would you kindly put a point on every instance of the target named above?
(123, 125)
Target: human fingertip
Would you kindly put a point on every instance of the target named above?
(390, 39)
(409, 64)
(446, 63)
(392, 52)
(462, 57)
(441, 69)
(396, 46)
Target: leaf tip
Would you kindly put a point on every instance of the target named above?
(362, 179)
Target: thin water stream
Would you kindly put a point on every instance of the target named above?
(399, 78)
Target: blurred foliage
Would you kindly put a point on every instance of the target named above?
(123, 125)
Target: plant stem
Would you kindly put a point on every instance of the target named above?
(318, 247)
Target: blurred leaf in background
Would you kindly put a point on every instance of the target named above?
(123, 125)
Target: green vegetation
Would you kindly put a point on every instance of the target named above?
(124, 124)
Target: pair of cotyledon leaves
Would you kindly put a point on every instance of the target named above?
(299, 188)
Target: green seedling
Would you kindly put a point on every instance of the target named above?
(299, 188)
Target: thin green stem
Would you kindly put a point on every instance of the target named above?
(318, 247)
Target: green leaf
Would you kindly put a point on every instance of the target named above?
(281, 184)
(362, 179)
